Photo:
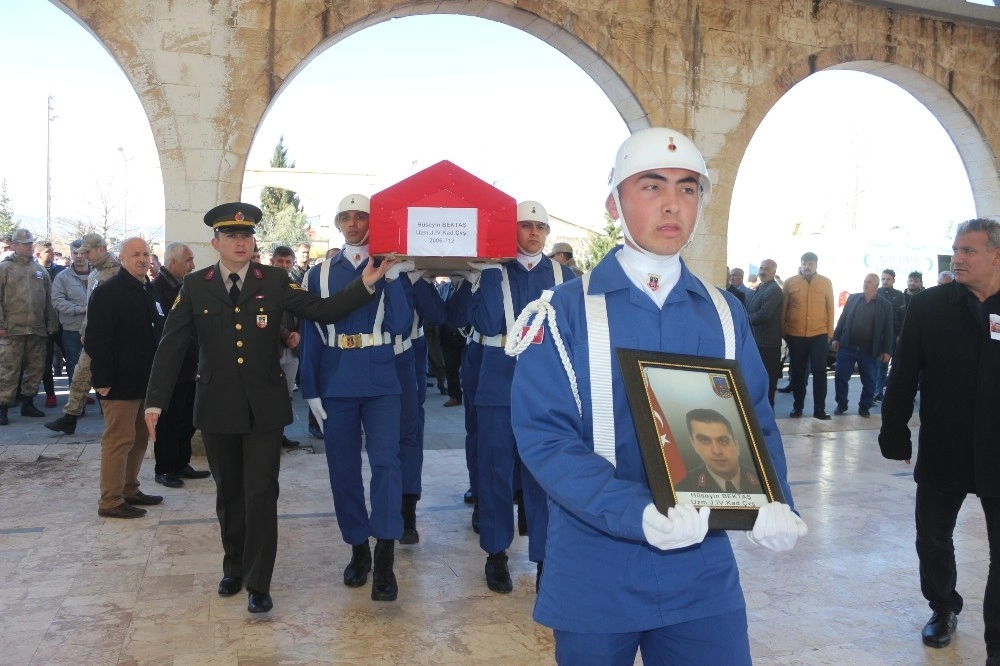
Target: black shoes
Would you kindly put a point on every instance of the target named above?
(28, 409)
(822, 416)
(938, 630)
(841, 409)
(497, 574)
(384, 586)
(785, 389)
(230, 585)
(191, 473)
(410, 534)
(169, 480)
(65, 424)
(142, 499)
(123, 510)
(356, 573)
(259, 602)
(288, 443)
(795, 414)
(469, 498)
(863, 411)
(878, 397)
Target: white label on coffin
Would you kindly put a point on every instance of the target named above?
(441, 232)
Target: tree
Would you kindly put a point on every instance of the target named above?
(284, 218)
(7, 224)
(598, 246)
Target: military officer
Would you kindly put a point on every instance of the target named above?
(234, 308)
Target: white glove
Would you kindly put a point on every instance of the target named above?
(316, 407)
(777, 527)
(416, 275)
(683, 526)
(483, 265)
(397, 268)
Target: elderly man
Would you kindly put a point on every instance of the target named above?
(862, 338)
(944, 277)
(104, 265)
(807, 324)
(764, 312)
(949, 350)
(172, 445)
(122, 333)
(26, 320)
(69, 298)
(619, 575)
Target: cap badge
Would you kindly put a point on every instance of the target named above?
(238, 217)
(670, 145)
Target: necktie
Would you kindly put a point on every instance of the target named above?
(730, 488)
(234, 291)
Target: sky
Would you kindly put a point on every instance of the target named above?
(842, 153)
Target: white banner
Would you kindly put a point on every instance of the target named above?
(441, 232)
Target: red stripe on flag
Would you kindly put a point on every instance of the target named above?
(675, 461)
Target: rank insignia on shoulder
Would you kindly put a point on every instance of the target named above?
(176, 302)
(257, 273)
(295, 285)
(210, 274)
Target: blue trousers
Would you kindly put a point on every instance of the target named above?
(380, 416)
(808, 355)
(496, 478)
(420, 369)
(720, 640)
(536, 506)
(71, 347)
(411, 453)
(847, 357)
(470, 382)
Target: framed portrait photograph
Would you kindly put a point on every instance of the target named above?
(699, 434)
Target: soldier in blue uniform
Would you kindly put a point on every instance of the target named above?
(348, 376)
(234, 308)
(502, 292)
(619, 575)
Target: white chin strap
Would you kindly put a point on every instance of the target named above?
(638, 248)
(361, 243)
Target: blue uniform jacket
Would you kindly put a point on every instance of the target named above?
(600, 574)
(486, 312)
(330, 372)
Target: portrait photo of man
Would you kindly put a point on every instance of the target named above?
(721, 470)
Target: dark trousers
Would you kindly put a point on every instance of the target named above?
(936, 513)
(771, 356)
(808, 355)
(453, 349)
(174, 431)
(245, 469)
(847, 357)
(51, 347)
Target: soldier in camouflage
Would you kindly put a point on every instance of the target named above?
(104, 266)
(26, 320)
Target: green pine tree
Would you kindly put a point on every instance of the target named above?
(7, 224)
(598, 246)
(284, 218)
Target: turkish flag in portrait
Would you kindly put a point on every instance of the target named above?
(675, 461)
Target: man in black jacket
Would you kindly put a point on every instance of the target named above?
(863, 337)
(241, 404)
(172, 444)
(950, 347)
(123, 330)
(764, 312)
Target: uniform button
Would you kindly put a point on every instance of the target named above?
(240, 360)
(239, 327)
(205, 311)
(239, 343)
(237, 310)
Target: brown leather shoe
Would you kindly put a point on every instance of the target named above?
(142, 499)
(123, 510)
(453, 402)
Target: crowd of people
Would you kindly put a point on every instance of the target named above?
(170, 349)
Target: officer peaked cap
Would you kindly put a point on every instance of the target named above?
(234, 217)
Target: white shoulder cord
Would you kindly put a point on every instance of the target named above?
(725, 317)
(508, 301)
(327, 333)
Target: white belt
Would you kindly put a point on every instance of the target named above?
(498, 340)
(401, 344)
(418, 334)
(362, 340)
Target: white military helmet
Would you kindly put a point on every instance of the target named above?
(532, 211)
(660, 148)
(352, 202)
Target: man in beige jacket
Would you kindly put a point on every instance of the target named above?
(807, 325)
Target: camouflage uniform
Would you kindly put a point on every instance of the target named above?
(102, 271)
(26, 313)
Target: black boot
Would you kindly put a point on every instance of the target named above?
(65, 424)
(522, 516)
(3, 416)
(475, 517)
(410, 535)
(384, 586)
(28, 408)
(356, 573)
(497, 574)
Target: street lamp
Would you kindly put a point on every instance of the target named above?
(125, 161)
